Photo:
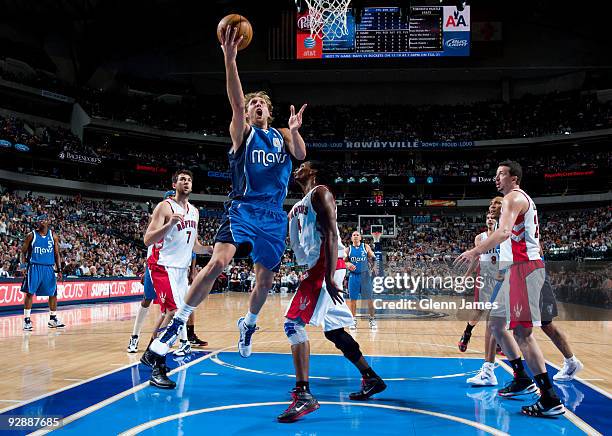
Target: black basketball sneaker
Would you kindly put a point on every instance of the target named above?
(369, 387)
(303, 403)
(541, 409)
(464, 341)
(159, 377)
(518, 386)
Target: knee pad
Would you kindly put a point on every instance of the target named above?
(345, 343)
(295, 331)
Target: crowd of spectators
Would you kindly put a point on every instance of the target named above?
(96, 238)
(100, 238)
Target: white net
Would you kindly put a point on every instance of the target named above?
(328, 18)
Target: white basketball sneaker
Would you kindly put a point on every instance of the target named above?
(246, 332)
(184, 349)
(55, 323)
(484, 377)
(571, 367)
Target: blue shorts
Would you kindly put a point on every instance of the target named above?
(255, 230)
(149, 290)
(40, 280)
(360, 286)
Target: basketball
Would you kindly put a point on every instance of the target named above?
(244, 28)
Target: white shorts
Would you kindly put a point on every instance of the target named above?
(312, 305)
(171, 285)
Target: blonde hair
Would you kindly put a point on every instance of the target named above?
(265, 97)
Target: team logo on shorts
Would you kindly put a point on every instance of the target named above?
(304, 303)
(517, 311)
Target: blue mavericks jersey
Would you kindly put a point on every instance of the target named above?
(260, 169)
(42, 249)
(358, 256)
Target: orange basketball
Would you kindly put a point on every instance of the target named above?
(244, 28)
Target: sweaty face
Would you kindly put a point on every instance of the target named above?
(257, 111)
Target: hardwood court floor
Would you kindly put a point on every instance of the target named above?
(96, 336)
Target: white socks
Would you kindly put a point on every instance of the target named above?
(571, 359)
(52, 313)
(26, 312)
(489, 365)
(250, 319)
(184, 312)
(184, 333)
(140, 318)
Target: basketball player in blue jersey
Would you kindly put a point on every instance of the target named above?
(360, 259)
(255, 223)
(41, 249)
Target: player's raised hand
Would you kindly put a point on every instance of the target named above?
(295, 120)
(334, 292)
(229, 42)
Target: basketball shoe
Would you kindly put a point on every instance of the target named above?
(464, 341)
(55, 323)
(133, 345)
(544, 408)
(303, 403)
(485, 376)
(571, 367)
(246, 332)
(184, 349)
(27, 324)
(518, 386)
(161, 345)
(159, 375)
(369, 387)
(373, 325)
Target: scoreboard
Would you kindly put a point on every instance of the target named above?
(430, 31)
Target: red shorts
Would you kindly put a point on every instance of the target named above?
(171, 285)
(520, 294)
(311, 303)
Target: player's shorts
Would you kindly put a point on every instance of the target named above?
(311, 304)
(255, 230)
(548, 303)
(149, 289)
(40, 280)
(171, 285)
(519, 296)
(360, 285)
(488, 279)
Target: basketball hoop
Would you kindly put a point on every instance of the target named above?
(327, 18)
(376, 236)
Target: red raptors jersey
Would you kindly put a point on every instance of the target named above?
(176, 247)
(523, 244)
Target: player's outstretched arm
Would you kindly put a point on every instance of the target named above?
(229, 44)
(325, 206)
(161, 222)
(474, 263)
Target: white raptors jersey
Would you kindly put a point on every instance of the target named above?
(489, 261)
(524, 243)
(305, 233)
(176, 247)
